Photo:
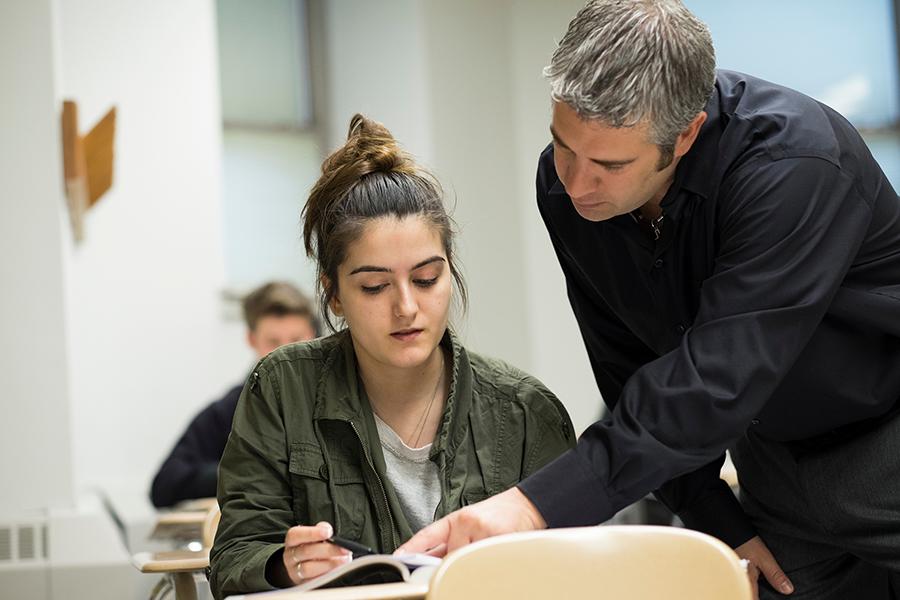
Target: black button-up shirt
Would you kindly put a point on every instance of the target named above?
(771, 300)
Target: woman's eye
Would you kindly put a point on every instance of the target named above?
(425, 282)
(373, 289)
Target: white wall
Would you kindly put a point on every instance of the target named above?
(558, 354)
(375, 64)
(35, 436)
(267, 175)
(143, 293)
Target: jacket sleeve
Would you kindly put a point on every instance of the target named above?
(789, 230)
(549, 430)
(254, 492)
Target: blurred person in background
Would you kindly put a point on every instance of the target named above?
(276, 314)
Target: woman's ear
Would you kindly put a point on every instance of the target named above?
(334, 303)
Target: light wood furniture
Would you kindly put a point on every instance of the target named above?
(633, 562)
(181, 568)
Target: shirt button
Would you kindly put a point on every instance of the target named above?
(680, 329)
(754, 422)
(658, 263)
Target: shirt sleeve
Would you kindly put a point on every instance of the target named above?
(700, 498)
(789, 230)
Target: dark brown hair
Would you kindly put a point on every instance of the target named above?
(367, 178)
(276, 299)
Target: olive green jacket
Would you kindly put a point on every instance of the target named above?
(304, 448)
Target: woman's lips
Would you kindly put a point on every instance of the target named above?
(406, 335)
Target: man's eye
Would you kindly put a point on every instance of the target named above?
(425, 282)
(373, 289)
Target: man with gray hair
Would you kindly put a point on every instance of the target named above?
(732, 256)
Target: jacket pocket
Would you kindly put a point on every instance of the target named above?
(473, 496)
(313, 501)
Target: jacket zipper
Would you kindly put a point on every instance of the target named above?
(385, 506)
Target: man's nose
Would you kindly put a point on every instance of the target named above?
(580, 181)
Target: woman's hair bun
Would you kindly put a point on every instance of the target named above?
(371, 148)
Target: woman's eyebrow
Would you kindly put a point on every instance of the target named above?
(374, 269)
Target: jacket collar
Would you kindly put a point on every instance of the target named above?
(340, 396)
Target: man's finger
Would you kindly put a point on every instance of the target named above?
(427, 538)
(753, 575)
(776, 577)
(462, 530)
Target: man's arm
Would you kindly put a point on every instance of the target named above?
(702, 500)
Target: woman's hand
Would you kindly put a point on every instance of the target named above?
(307, 554)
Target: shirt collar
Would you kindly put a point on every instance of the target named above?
(695, 170)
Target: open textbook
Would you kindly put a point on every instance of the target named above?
(365, 570)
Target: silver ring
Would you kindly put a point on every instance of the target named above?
(294, 555)
(299, 572)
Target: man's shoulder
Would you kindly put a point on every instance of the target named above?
(761, 118)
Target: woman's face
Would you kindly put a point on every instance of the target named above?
(394, 292)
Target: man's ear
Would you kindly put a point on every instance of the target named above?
(686, 138)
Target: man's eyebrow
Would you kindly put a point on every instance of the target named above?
(374, 269)
(558, 139)
(602, 163)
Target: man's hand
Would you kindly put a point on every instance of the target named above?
(507, 512)
(759, 559)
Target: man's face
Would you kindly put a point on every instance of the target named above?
(606, 171)
(273, 331)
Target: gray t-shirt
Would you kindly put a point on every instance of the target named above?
(415, 478)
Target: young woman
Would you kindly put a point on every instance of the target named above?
(377, 430)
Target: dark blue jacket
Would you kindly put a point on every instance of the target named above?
(190, 470)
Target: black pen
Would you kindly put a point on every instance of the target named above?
(355, 547)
